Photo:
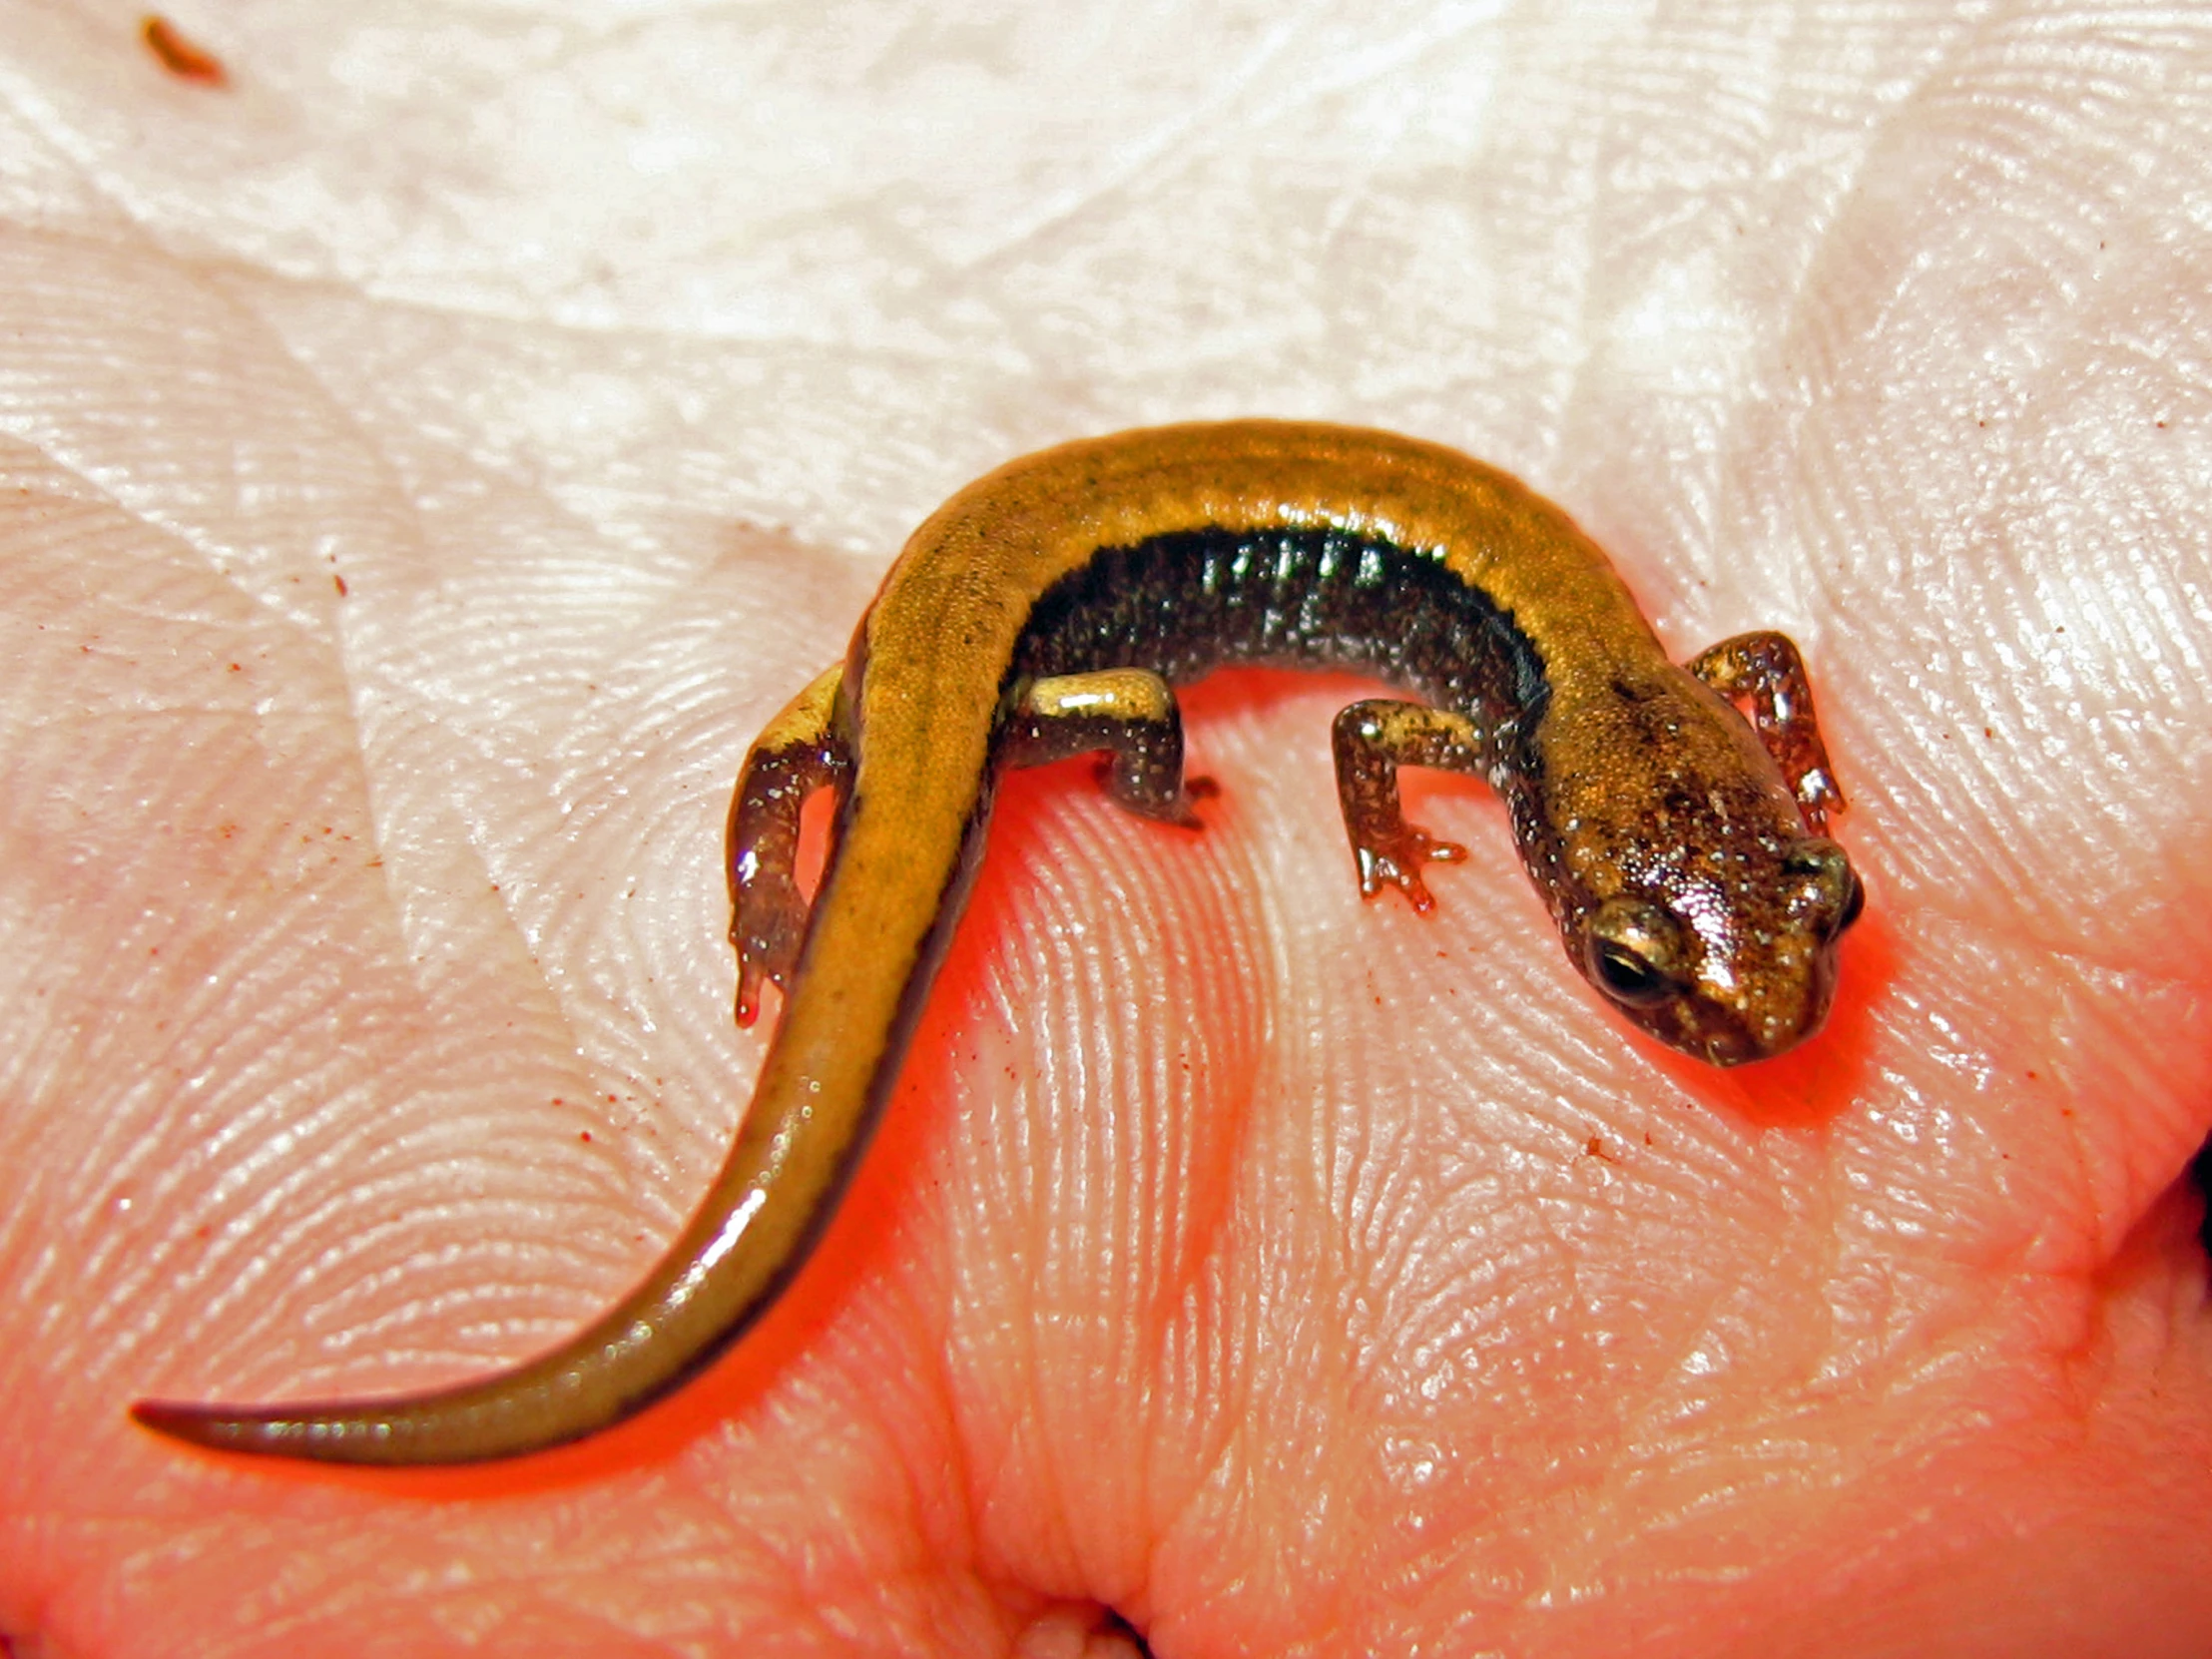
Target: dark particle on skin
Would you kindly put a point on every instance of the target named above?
(180, 56)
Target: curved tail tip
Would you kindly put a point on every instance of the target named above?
(265, 1434)
(198, 1425)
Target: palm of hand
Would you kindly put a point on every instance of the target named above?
(1292, 1275)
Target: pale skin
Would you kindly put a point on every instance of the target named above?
(1290, 1274)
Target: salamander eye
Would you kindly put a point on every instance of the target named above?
(1853, 904)
(1635, 952)
(1626, 976)
(1832, 883)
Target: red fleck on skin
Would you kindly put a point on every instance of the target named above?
(180, 56)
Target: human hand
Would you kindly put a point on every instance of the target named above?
(1292, 1275)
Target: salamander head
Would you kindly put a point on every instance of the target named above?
(1685, 882)
(1728, 955)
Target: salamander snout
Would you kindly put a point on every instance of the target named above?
(1728, 970)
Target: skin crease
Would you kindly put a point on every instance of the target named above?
(1290, 1274)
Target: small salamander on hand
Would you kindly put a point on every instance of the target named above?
(1045, 611)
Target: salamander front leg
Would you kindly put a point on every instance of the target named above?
(823, 1080)
(1128, 712)
(1764, 671)
(1372, 740)
(800, 752)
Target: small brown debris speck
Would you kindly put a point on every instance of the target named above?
(180, 56)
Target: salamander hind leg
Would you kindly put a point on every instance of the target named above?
(1764, 671)
(801, 751)
(1131, 713)
(1372, 740)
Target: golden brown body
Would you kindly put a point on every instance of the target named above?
(1044, 611)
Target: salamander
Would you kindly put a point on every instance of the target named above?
(1673, 819)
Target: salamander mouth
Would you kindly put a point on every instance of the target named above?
(1727, 1033)
(1726, 1037)
(1737, 1049)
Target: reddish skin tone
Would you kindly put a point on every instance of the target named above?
(1640, 785)
(1272, 1299)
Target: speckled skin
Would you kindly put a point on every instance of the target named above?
(1683, 867)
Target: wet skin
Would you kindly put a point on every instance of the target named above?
(1047, 611)
(322, 964)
